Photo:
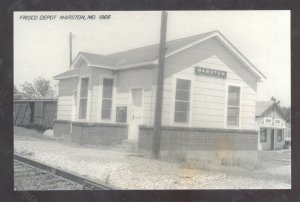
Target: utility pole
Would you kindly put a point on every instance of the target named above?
(159, 87)
(70, 47)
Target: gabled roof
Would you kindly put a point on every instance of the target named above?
(263, 106)
(140, 55)
(148, 55)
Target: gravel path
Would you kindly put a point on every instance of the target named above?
(133, 172)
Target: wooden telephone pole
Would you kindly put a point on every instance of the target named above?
(160, 87)
(70, 47)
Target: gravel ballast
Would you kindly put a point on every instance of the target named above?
(133, 172)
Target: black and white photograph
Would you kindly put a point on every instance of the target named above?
(152, 100)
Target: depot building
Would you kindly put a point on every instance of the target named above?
(274, 132)
(209, 97)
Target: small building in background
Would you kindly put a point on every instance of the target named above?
(273, 130)
(287, 135)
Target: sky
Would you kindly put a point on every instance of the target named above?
(41, 47)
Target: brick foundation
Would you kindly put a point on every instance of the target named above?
(199, 138)
(203, 143)
(61, 128)
(91, 133)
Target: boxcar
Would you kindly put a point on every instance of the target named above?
(39, 113)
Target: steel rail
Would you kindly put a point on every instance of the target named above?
(88, 184)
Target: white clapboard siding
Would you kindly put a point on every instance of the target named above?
(250, 126)
(207, 124)
(208, 105)
(200, 84)
(248, 103)
(208, 112)
(141, 78)
(63, 114)
(203, 99)
(248, 115)
(208, 93)
(65, 98)
(208, 117)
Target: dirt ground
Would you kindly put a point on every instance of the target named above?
(125, 171)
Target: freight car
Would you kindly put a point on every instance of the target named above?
(35, 113)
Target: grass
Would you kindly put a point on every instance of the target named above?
(241, 171)
(23, 152)
(22, 133)
(234, 167)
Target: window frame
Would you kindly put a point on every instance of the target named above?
(116, 117)
(280, 120)
(110, 99)
(265, 134)
(279, 135)
(238, 85)
(74, 104)
(189, 102)
(79, 98)
(268, 118)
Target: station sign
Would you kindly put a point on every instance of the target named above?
(210, 72)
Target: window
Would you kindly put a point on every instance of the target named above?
(182, 101)
(83, 97)
(279, 135)
(268, 120)
(107, 98)
(278, 122)
(121, 114)
(263, 135)
(233, 109)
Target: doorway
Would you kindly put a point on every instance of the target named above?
(136, 113)
(272, 139)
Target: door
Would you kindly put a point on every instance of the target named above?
(136, 113)
(272, 139)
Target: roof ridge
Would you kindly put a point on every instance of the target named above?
(205, 33)
(267, 107)
(84, 52)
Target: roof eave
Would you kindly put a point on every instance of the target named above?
(239, 55)
(148, 64)
(102, 66)
(37, 100)
(65, 77)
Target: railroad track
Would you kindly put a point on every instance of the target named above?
(33, 175)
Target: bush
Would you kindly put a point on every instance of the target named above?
(286, 145)
(48, 133)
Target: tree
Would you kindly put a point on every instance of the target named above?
(17, 93)
(39, 89)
